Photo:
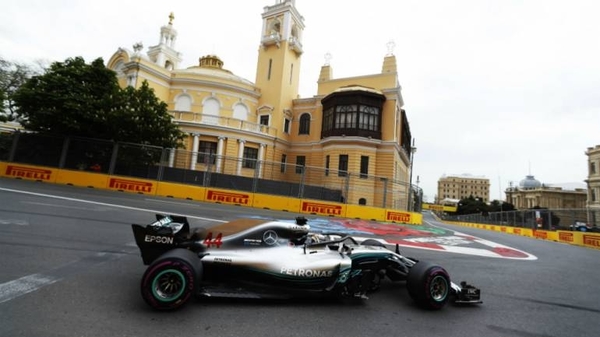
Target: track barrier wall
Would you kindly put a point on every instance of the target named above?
(585, 239)
(181, 191)
(205, 194)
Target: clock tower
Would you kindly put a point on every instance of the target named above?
(278, 68)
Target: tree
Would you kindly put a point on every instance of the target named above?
(73, 98)
(12, 77)
(147, 119)
(496, 206)
(471, 205)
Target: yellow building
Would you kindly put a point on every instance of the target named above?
(532, 193)
(459, 187)
(353, 135)
(593, 185)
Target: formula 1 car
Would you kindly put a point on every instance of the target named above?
(254, 258)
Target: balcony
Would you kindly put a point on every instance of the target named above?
(211, 121)
(296, 45)
(269, 40)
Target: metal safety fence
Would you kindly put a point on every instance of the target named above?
(208, 170)
(546, 219)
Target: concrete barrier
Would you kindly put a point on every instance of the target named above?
(180, 191)
(81, 178)
(584, 239)
(199, 193)
(276, 202)
(365, 212)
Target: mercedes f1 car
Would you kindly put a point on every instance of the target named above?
(254, 258)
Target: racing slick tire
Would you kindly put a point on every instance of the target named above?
(429, 285)
(171, 280)
(372, 242)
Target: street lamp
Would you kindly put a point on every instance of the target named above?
(413, 150)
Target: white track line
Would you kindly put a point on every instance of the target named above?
(106, 204)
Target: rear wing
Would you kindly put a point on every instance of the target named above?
(157, 238)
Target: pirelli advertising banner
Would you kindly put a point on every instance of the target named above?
(545, 235)
(124, 184)
(439, 208)
(317, 207)
(29, 172)
(403, 217)
(229, 197)
(591, 240)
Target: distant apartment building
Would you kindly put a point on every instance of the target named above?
(593, 185)
(532, 193)
(463, 186)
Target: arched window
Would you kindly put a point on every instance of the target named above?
(119, 68)
(275, 27)
(183, 103)
(304, 124)
(240, 111)
(210, 111)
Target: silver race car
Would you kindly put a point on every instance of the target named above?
(257, 258)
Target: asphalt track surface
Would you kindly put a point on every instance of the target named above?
(69, 267)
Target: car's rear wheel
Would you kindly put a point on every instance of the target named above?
(170, 281)
(429, 285)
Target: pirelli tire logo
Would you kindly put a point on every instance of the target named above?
(566, 237)
(540, 235)
(228, 197)
(130, 185)
(25, 172)
(323, 209)
(591, 240)
(397, 216)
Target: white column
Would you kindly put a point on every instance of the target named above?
(194, 151)
(240, 156)
(220, 153)
(172, 157)
(261, 156)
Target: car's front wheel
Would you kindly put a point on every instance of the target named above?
(429, 285)
(170, 281)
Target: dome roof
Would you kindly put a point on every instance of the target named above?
(212, 66)
(530, 182)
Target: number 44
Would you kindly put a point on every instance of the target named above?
(209, 241)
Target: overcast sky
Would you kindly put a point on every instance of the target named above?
(493, 88)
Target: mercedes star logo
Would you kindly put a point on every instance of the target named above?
(270, 237)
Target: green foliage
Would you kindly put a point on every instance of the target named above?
(496, 206)
(73, 98)
(12, 76)
(145, 119)
(472, 205)
(3, 118)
